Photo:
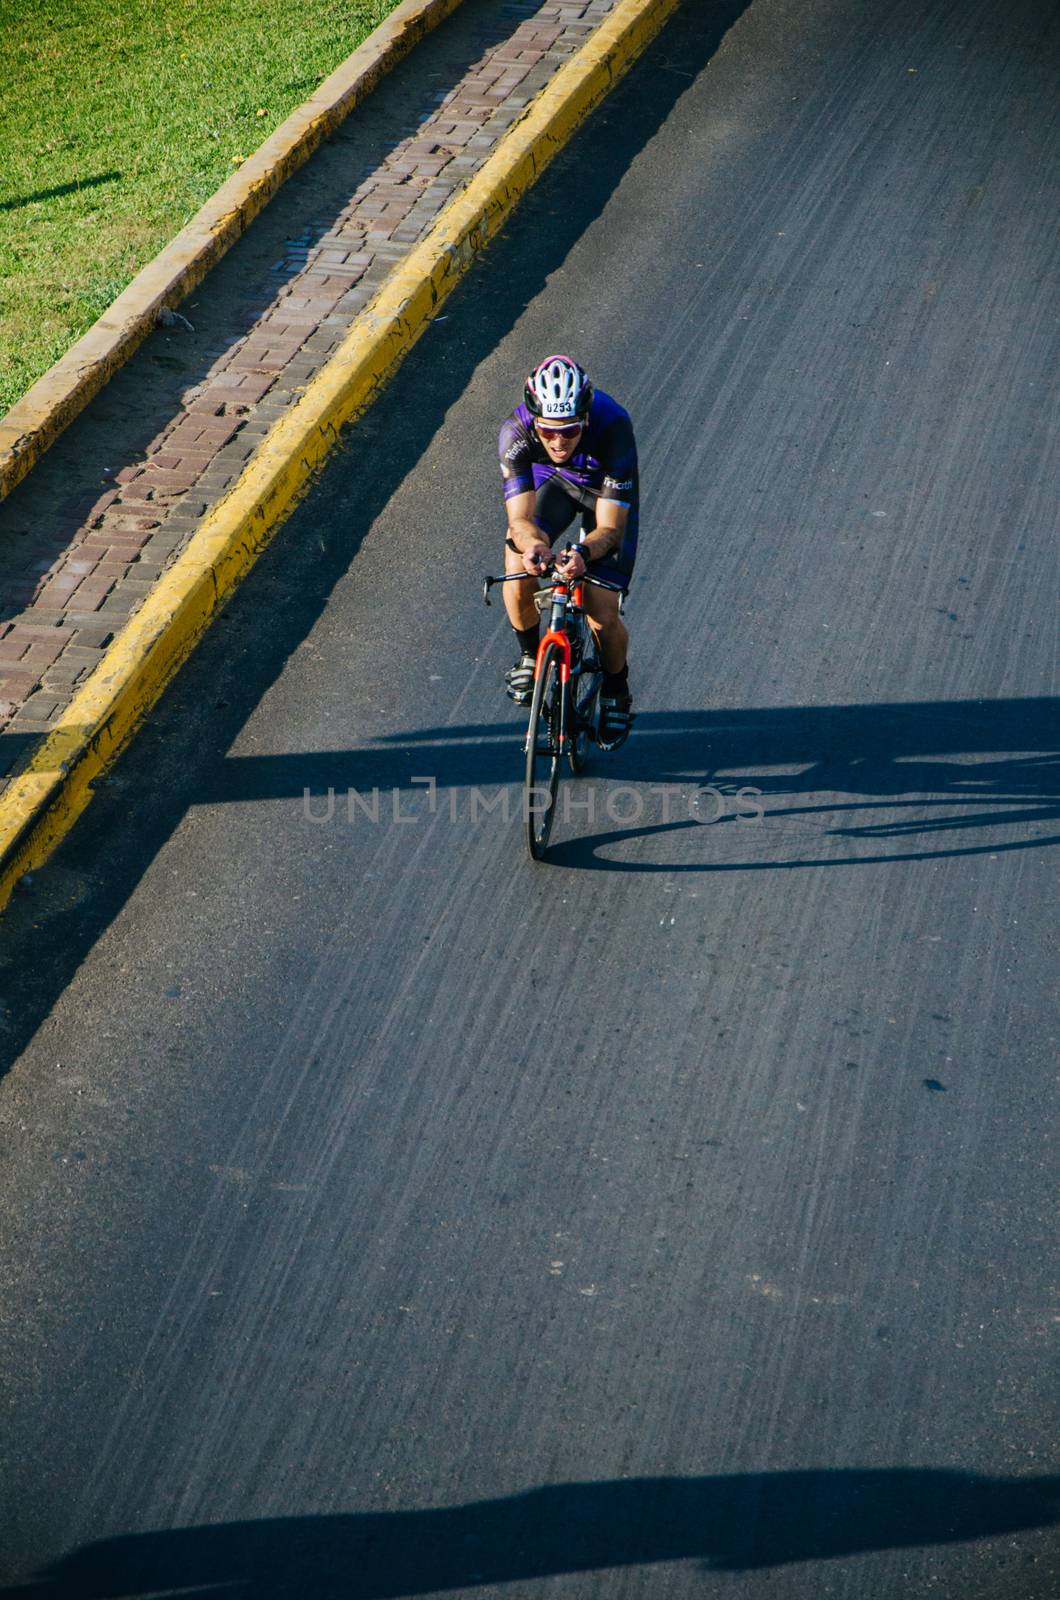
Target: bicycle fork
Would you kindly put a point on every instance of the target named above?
(561, 639)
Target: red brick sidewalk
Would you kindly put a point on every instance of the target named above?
(90, 531)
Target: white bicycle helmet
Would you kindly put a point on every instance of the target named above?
(558, 390)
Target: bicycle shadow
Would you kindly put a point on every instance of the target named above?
(732, 1524)
(927, 773)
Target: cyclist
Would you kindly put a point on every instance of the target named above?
(568, 449)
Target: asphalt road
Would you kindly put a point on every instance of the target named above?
(384, 1215)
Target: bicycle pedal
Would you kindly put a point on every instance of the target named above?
(615, 744)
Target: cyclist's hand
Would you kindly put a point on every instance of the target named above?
(571, 563)
(535, 560)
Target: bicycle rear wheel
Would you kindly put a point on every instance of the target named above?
(543, 754)
(585, 690)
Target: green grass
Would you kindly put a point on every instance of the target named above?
(118, 118)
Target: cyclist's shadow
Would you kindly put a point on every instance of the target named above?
(916, 779)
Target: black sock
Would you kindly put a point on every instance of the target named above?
(528, 638)
(615, 683)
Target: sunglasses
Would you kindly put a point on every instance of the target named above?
(566, 431)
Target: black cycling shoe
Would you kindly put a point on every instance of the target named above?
(616, 719)
(519, 680)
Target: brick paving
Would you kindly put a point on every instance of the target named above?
(82, 544)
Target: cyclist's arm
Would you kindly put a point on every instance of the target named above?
(606, 537)
(523, 532)
(611, 519)
(520, 497)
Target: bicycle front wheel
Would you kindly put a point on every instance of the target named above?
(543, 754)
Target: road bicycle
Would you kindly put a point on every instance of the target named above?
(564, 710)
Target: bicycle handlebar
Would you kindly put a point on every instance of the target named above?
(517, 577)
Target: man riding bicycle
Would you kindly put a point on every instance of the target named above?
(568, 449)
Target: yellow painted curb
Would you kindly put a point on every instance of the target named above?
(36, 420)
(41, 803)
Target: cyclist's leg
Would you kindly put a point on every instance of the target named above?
(616, 702)
(602, 604)
(612, 636)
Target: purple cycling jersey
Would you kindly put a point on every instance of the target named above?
(604, 464)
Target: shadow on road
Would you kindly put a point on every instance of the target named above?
(857, 785)
(913, 780)
(927, 772)
(727, 1524)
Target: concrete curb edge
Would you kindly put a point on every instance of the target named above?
(36, 420)
(42, 802)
